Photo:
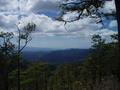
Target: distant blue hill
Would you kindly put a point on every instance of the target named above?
(36, 49)
(56, 56)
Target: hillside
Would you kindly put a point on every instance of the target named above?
(56, 56)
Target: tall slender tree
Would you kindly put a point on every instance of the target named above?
(24, 34)
(6, 51)
(117, 3)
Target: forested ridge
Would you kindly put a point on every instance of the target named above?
(99, 71)
(56, 56)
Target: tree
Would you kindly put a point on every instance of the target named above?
(63, 78)
(92, 9)
(100, 70)
(6, 52)
(117, 3)
(23, 35)
(8, 49)
(34, 77)
(80, 6)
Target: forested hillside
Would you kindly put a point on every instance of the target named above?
(56, 56)
(98, 71)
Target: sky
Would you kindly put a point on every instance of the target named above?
(51, 33)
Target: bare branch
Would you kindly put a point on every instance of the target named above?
(23, 46)
(80, 7)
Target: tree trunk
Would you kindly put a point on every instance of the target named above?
(3, 76)
(117, 3)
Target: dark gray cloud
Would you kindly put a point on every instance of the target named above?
(45, 6)
(3, 2)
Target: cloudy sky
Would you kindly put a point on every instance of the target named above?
(49, 32)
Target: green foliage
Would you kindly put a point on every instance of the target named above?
(6, 54)
(63, 78)
(99, 71)
(9, 53)
(6, 45)
(101, 64)
(27, 30)
(35, 76)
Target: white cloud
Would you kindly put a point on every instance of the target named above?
(43, 22)
(46, 26)
(8, 5)
(44, 5)
(109, 7)
(8, 22)
(49, 27)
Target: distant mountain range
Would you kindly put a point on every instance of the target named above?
(54, 56)
(37, 49)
